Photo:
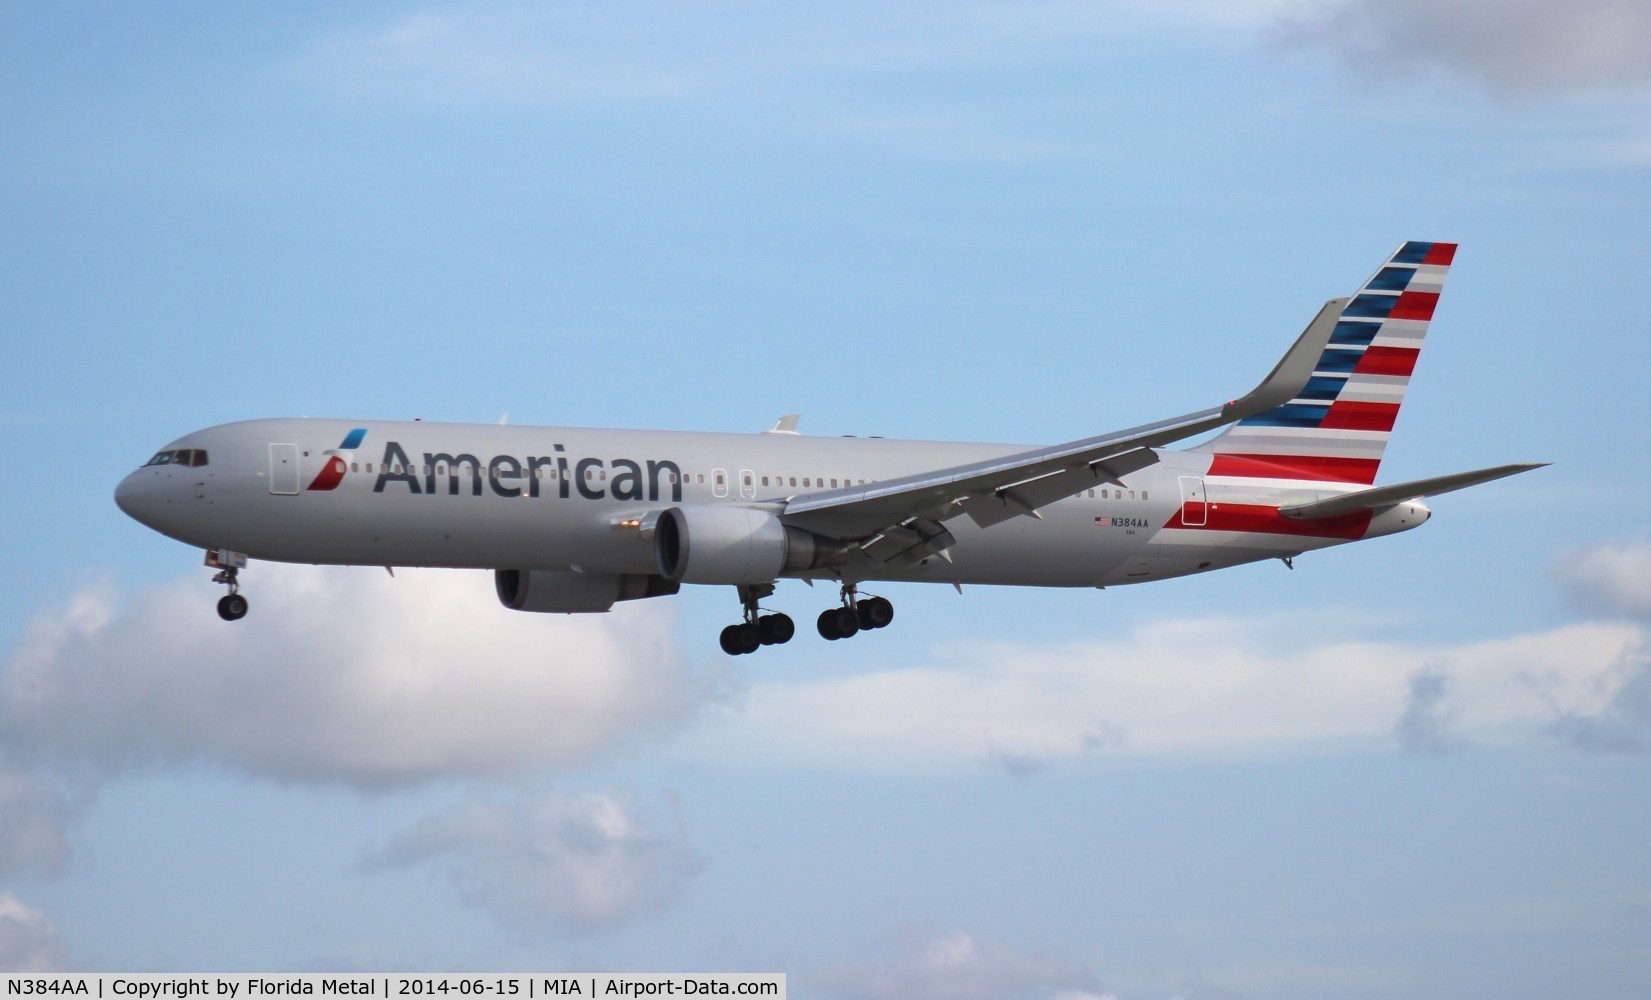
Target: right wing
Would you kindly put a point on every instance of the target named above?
(905, 514)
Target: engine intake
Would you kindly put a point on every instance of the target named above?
(705, 544)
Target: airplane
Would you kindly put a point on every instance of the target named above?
(578, 519)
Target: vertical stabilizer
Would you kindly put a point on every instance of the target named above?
(1337, 428)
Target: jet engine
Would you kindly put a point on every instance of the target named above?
(569, 592)
(705, 544)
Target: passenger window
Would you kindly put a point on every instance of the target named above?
(834, 484)
(355, 466)
(441, 470)
(805, 480)
(793, 480)
(1143, 494)
(1132, 494)
(701, 478)
(603, 475)
(765, 480)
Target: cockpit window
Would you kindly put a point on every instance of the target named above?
(193, 457)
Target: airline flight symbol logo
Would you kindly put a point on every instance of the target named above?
(332, 473)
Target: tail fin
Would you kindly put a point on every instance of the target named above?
(1337, 429)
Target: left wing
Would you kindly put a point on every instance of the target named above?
(905, 514)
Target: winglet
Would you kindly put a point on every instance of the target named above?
(1290, 375)
(785, 425)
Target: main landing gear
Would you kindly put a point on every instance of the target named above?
(758, 629)
(232, 607)
(855, 616)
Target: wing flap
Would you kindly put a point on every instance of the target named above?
(1027, 495)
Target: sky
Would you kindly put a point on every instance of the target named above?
(1415, 767)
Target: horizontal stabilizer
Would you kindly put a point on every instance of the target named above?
(1387, 496)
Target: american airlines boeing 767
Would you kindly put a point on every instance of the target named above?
(575, 520)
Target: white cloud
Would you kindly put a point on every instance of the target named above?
(31, 824)
(1196, 687)
(29, 941)
(1424, 727)
(959, 966)
(1611, 577)
(338, 675)
(1510, 46)
(571, 862)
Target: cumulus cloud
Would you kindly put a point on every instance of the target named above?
(1510, 46)
(32, 816)
(1623, 724)
(1196, 687)
(1610, 578)
(1613, 579)
(338, 675)
(563, 862)
(959, 966)
(29, 941)
(1424, 727)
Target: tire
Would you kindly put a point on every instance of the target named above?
(232, 607)
(776, 630)
(745, 638)
(838, 623)
(728, 641)
(876, 612)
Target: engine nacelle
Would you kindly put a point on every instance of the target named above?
(706, 544)
(570, 593)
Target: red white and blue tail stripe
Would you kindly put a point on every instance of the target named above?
(1337, 428)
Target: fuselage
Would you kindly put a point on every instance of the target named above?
(485, 496)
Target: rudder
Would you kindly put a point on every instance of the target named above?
(1338, 427)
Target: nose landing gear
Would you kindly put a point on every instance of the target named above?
(232, 607)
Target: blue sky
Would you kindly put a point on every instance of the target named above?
(1414, 767)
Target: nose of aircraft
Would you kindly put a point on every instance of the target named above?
(144, 497)
(128, 497)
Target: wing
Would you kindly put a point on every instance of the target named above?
(902, 518)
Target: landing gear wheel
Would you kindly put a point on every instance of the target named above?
(737, 640)
(838, 623)
(775, 630)
(232, 607)
(875, 612)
